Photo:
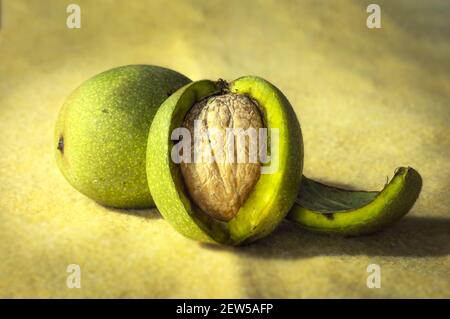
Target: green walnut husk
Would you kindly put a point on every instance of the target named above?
(330, 210)
(101, 134)
(272, 196)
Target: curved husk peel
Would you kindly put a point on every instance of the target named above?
(326, 209)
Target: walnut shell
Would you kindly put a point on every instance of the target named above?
(221, 182)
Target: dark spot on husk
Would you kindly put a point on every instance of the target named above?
(223, 86)
(105, 111)
(329, 216)
(61, 144)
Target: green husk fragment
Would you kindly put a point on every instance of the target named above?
(326, 209)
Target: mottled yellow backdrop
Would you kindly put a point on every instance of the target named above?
(368, 100)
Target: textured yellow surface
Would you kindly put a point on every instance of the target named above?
(368, 101)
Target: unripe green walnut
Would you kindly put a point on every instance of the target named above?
(102, 129)
(221, 185)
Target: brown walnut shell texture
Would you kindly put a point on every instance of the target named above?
(220, 183)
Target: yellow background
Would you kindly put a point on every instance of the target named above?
(368, 101)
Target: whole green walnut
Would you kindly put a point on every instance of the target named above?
(101, 134)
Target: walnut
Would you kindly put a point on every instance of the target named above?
(228, 169)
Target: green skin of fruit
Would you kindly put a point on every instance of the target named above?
(271, 198)
(329, 210)
(101, 134)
